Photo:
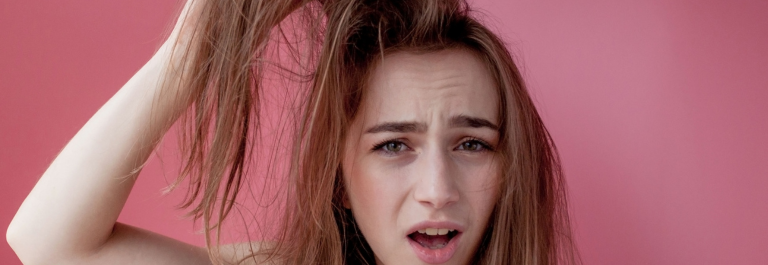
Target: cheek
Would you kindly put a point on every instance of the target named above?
(372, 187)
(376, 199)
(371, 191)
(481, 188)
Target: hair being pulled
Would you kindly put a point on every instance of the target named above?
(338, 44)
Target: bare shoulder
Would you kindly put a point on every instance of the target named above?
(247, 253)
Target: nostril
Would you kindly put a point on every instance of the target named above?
(436, 183)
(437, 194)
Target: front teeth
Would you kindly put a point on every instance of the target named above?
(436, 231)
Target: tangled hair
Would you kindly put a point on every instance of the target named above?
(344, 39)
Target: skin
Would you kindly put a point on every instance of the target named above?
(71, 214)
(435, 165)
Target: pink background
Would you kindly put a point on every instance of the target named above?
(658, 109)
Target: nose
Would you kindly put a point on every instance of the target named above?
(436, 183)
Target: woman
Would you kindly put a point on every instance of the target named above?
(417, 143)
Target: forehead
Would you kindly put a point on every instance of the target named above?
(418, 86)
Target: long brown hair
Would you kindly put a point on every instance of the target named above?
(342, 41)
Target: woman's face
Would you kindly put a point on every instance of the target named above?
(420, 163)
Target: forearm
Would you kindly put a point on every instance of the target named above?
(73, 207)
(71, 212)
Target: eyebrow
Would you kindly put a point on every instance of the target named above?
(473, 122)
(455, 122)
(398, 127)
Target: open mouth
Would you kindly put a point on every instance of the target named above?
(433, 238)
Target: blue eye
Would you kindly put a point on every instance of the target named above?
(391, 147)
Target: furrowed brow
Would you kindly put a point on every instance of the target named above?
(473, 122)
(398, 127)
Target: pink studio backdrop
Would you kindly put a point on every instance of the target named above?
(658, 109)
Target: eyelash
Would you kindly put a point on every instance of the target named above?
(483, 144)
(380, 146)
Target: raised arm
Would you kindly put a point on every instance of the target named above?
(70, 215)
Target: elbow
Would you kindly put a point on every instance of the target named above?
(33, 245)
(23, 249)
(13, 237)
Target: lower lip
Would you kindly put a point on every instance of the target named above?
(435, 256)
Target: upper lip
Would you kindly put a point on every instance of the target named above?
(436, 224)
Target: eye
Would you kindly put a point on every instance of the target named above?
(391, 147)
(474, 145)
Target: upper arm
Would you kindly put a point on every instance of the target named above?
(132, 245)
